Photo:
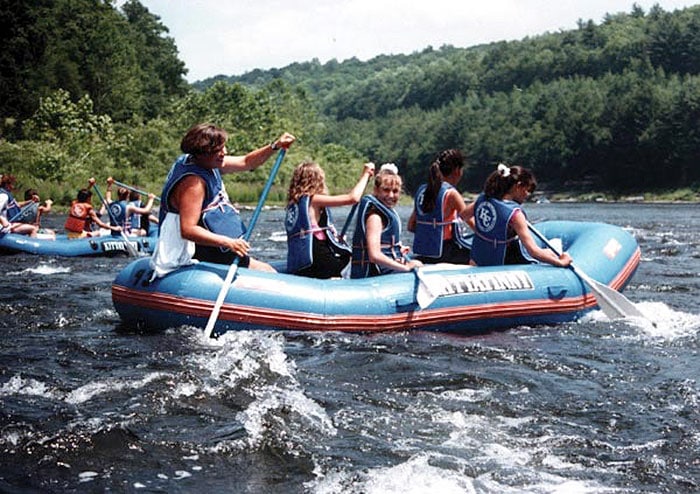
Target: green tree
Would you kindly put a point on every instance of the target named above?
(161, 71)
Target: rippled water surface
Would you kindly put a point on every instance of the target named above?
(590, 407)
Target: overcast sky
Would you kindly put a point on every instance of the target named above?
(231, 37)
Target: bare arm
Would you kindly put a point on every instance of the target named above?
(187, 197)
(108, 192)
(131, 209)
(374, 248)
(257, 157)
(411, 225)
(46, 208)
(96, 219)
(352, 197)
(464, 210)
(519, 224)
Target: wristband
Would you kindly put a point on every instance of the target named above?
(274, 146)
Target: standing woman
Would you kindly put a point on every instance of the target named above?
(502, 235)
(313, 246)
(197, 220)
(376, 243)
(438, 211)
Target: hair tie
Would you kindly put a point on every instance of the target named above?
(503, 170)
(389, 168)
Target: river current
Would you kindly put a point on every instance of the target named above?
(87, 405)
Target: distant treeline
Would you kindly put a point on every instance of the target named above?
(90, 90)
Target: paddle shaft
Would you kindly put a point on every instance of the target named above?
(19, 213)
(348, 220)
(129, 248)
(134, 189)
(209, 329)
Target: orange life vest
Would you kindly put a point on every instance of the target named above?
(79, 219)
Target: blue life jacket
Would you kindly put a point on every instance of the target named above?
(28, 214)
(218, 214)
(390, 239)
(118, 216)
(493, 235)
(12, 207)
(134, 220)
(300, 235)
(430, 225)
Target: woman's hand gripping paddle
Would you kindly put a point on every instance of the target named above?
(209, 329)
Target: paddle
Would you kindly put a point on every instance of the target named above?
(20, 213)
(425, 294)
(246, 236)
(129, 248)
(348, 220)
(134, 189)
(611, 302)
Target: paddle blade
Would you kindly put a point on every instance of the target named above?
(129, 246)
(613, 304)
(425, 293)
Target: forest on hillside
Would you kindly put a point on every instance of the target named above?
(91, 90)
(614, 106)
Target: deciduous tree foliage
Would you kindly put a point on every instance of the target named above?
(88, 89)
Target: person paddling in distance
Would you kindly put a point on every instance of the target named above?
(313, 246)
(440, 212)
(501, 226)
(10, 210)
(141, 223)
(34, 210)
(125, 212)
(82, 216)
(376, 245)
(197, 221)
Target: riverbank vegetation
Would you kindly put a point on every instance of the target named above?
(609, 109)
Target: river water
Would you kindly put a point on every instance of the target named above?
(588, 407)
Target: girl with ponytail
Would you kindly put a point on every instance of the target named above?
(439, 213)
(502, 235)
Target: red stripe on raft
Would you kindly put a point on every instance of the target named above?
(258, 316)
(308, 321)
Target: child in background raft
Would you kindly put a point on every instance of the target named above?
(313, 246)
(125, 212)
(82, 216)
(10, 210)
(502, 235)
(141, 223)
(438, 212)
(33, 211)
(376, 245)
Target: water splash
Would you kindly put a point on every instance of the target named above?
(253, 369)
(278, 237)
(17, 385)
(666, 323)
(43, 269)
(661, 321)
(96, 388)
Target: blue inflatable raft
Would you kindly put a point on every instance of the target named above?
(11, 243)
(469, 299)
